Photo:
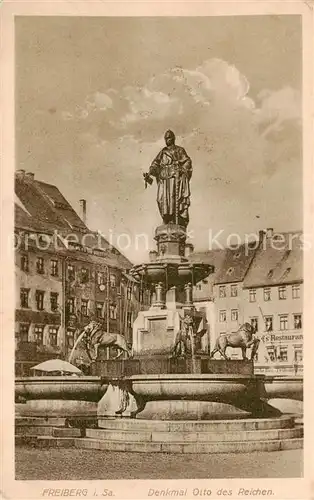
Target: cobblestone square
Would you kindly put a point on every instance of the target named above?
(74, 464)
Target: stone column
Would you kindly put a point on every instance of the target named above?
(188, 295)
(159, 299)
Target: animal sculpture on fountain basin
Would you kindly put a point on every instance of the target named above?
(242, 338)
(93, 337)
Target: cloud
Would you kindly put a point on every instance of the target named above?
(246, 153)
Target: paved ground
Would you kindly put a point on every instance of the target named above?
(63, 464)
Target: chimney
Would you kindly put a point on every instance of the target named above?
(20, 173)
(189, 249)
(261, 235)
(269, 232)
(83, 210)
(30, 175)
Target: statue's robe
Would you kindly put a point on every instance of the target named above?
(170, 165)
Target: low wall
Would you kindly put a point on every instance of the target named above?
(163, 365)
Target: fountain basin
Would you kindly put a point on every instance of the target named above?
(171, 273)
(283, 387)
(197, 387)
(63, 387)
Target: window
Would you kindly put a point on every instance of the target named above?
(113, 281)
(54, 267)
(283, 322)
(53, 301)
(222, 292)
(24, 295)
(283, 353)
(129, 319)
(282, 292)
(295, 291)
(113, 311)
(271, 353)
(23, 332)
(222, 316)
(39, 334)
(297, 320)
(100, 278)
(270, 273)
(71, 272)
(234, 290)
(252, 294)
(254, 324)
(70, 339)
(268, 323)
(99, 309)
(40, 265)
(84, 275)
(25, 263)
(267, 294)
(129, 292)
(234, 314)
(40, 299)
(199, 286)
(84, 307)
(298, 354)
(53, 335)
(71, 305)
(230, 270)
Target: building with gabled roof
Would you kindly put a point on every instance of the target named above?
(65, 273)
(273, 298)
(228, 288)
(278, 261)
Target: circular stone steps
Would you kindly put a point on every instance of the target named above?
(284, 422)
(221, 447)
(201, 436)
(193, 437)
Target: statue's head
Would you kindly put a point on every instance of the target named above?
(170, 138)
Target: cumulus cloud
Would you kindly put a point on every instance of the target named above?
(244, 151)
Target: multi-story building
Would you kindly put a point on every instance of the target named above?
(273, 302)
(65, 273)
(228, 290)
(261, 284)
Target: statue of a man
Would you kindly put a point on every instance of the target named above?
(172, 169)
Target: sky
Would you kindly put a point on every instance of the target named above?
(94, 97)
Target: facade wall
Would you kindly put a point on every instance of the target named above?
(280, 322)
(83, 283)
(37, 318)
(229, 308)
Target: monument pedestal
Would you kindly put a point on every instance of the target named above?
(154, 331)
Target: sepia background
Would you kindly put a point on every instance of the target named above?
(94, 97)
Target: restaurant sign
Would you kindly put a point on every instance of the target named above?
(283, 337)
